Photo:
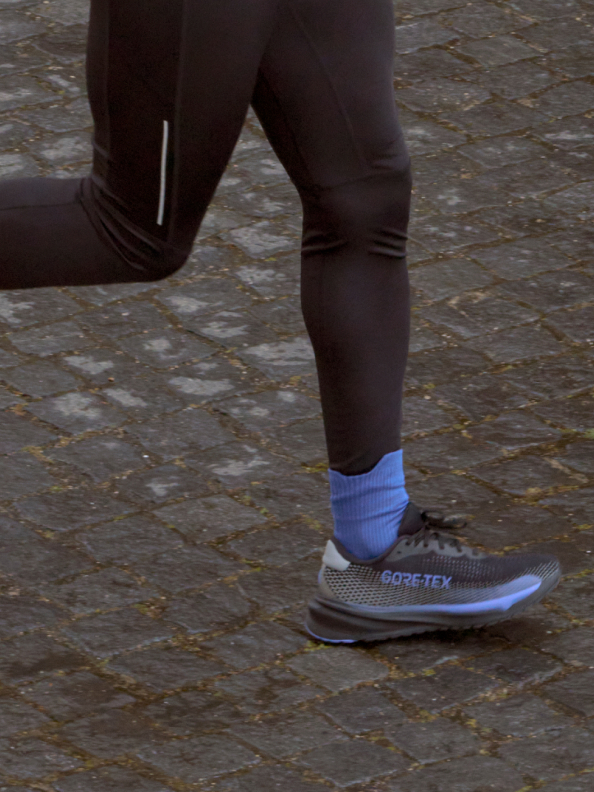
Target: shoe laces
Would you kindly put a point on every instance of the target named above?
(435, 522)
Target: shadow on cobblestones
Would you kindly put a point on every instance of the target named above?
(162, 485)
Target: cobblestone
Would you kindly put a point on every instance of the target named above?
(163, 492)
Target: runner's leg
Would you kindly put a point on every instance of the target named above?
(326, 100)
(325, 97)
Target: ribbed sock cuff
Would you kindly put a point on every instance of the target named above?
(368, 509)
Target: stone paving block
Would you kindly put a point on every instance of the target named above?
(240, 464)
(100, 457)
(447, 687)
(141, 398)
(451, 235)
(423, 415)
(338, 668)
(32, 560)
(192, 713)
(304, 441)
(172, 435)
(292, 496)
(483, 396)
(231, 329)
(517, 666)
(219, 606)
(514, 81)
(274, 547)
(101, 366)
(112, 733)
(446, 452)
(432, 742)
(576, 784)
(574, 691)
(275, 277)
(210, 518)
(471, 774)
(166, 668)
(125, 541)
(551, 378)
(447, 365)
(354, 762)
(576, 325)
(528, 475)
(21, 474)
(574, 242)
(478, 315)
(443, 279)
(122, 319)
(50, 339)
(21, 614)
(209, 380)
(418, 35)
(33, 758)
(558, 33)
(25, 658)
(518, 344)
(24, 308)
(77, 412)
(363, 710)
(186, 568)
(551, 291)
(163, 349)
(439, 94)
(517, 716)
(270, 779)
(264, 642)
(273, 689)
(161, 484)
(108, 779)
(270, 408)
(421, 652)
(109, 588)
(515, 525)
(513, 431)
(16, 716)
(70, 509)
(487, 20)
(566, 133)
(18, 90)
(112, 633)
(497, 118)
(40, 379)
(200, 759)
(262, 240)
(575, 597)
(576, 506)
(283, 359)
(573, 646)
(284, 735)
(282, 588)
(16, 433)
(551, 756)
(572, 413)
(425, 63)
(66, 697)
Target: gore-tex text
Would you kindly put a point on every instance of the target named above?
(417, 580)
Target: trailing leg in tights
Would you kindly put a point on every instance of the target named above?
(170, 83)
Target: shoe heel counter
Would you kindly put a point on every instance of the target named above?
(323, 588)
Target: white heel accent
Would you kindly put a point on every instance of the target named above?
(333, 559)
(163, 187)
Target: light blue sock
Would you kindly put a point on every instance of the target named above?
(368, 508)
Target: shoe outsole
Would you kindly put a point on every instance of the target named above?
(321, 619)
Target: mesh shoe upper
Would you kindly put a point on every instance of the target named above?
(425, 566)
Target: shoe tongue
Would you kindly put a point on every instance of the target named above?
(412, 522)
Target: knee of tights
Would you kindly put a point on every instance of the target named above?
(371, 214)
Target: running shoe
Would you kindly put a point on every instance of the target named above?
(427, 580)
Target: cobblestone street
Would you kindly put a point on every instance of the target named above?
(163, 486)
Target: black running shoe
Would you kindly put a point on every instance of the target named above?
(427, 580)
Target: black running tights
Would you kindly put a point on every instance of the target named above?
(170, 83)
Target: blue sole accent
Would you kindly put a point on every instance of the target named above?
(329, 640)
